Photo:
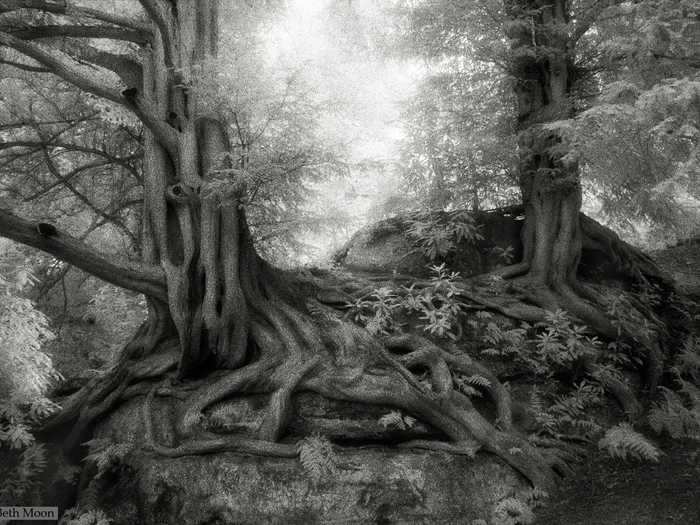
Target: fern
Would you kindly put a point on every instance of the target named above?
(91, 517)
(317, 456)
(437, 236)
(513, 511)
(672, 415)
(622, 441)
(466, 384)
(397, 419)
(106, 454)
(536, 497)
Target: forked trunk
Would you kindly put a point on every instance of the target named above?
(202, 243)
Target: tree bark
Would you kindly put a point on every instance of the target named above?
(549, 180)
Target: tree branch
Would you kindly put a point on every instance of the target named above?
(166, 135)
(78, 31)
(586, 19)
(24, 67)
(64, 8)
(139, 277)
(35, 145)
(159, 17)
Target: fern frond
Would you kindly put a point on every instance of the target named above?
(622, 441)
(106, 454)
(673, 416)
(317, 456)
(396, 419)
(513, 511)
(477, 380)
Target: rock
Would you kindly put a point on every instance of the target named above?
(386, 247)
(371, 484)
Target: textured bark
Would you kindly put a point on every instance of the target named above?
(549, 181)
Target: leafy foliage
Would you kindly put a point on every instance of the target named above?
(73, 516)
(468, 384)
(317, 456)
(107, 455)
(396, 419)
(513, 511)
(375, 312)
(622, 441)
(25, 374)
(569, 413)
(438, 235)
(437, 305)
(678, 412)
(25, 371)
(118, 312)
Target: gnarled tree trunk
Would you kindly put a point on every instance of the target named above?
(542, 64)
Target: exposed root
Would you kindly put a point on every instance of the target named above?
(288, 351)
(459, 363)
(211, 446)
(232, 383)
(465, 448)
(513, 270)
(280, 403)
(102, 394)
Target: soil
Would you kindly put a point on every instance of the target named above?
(615, 492)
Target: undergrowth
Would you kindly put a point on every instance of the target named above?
(559, 353)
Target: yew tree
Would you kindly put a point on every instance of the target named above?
(222, 321)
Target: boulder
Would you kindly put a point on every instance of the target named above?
(376, 483)
(385, 246)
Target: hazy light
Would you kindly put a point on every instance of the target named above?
(367, 90)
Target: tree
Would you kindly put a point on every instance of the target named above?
(224, 322)
(636, 141)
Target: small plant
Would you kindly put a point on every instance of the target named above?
(317, 456)
(439, 305)
(468, 384)
(562, 343)
(622, 441)
(396, 419)
(513, 511)
(73, 516)
(107, 455)
(567, 414)
(438, 235)
(678, 412)
(376, 311)
(504, 255)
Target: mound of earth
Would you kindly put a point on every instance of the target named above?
(386, 247)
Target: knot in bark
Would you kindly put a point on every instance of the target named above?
(181, 194)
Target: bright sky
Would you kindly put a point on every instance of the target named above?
(369, 90)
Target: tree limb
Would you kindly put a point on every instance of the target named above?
(64, 8)
(24, 67)
(78, 31)
(70, 73)
(139, 277)
(157, 14)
